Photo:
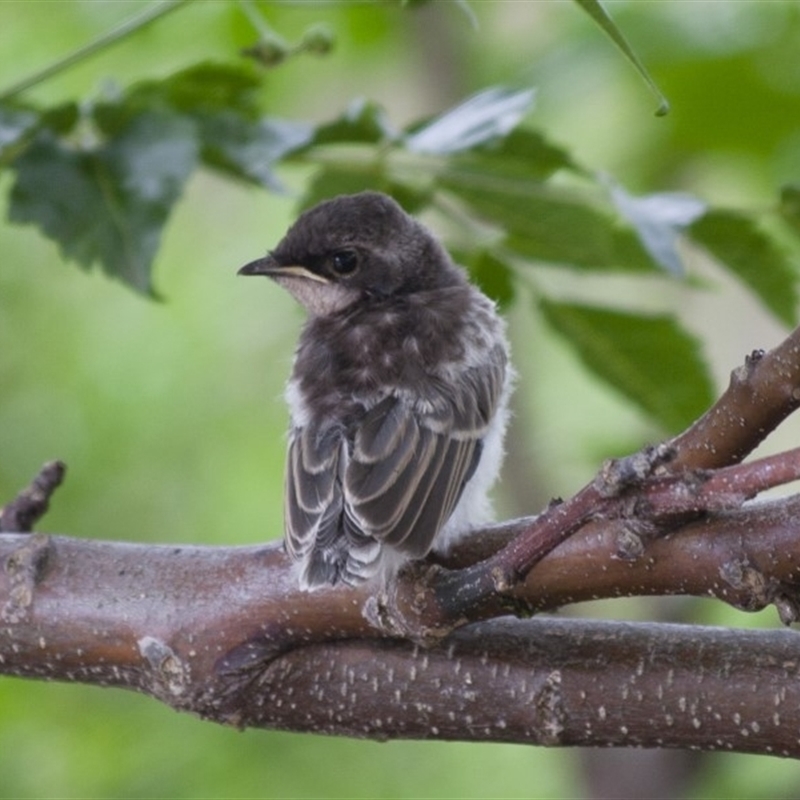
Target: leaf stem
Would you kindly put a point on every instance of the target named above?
(111, 37)
(260, 25)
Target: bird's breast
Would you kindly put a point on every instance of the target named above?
(347, 362)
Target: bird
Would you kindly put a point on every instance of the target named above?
(398, 394)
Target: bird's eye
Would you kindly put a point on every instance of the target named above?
(344, 262)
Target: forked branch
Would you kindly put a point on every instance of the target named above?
(226, 633)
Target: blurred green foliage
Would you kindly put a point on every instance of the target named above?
(169, 414)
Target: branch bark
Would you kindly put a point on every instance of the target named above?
(761, 394)
(225, 632)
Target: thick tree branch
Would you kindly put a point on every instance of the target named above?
(548, 682)
(220, 632)
(195, 627)
(226, 633)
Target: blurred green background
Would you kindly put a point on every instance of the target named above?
(169, 415)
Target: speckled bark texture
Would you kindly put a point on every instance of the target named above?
(226, 633)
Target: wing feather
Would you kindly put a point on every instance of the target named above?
(312, 495)
(408, 469)
(393, 479)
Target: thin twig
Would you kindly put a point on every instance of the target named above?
(25, 510)
(105, 40)
(761, 394)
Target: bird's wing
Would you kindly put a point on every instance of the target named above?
(316, 523)
(313, 493)
(395, 482)
(409, 461)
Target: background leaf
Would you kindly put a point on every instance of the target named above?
(107, 205)
(333, 181)
(522, 155)
(364, 121)
(491, 273)
(737, 242)
(596, 11)
(651, 360)
(790, 205)
(203, 89)
(250, 150)
(554, 227)
(485, 116)
(658, 219)
(15, 124)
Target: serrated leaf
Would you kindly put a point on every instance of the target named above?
(596, 11)
(223, 100)
(363, 122)
(658, 219)
(737, 242)
(651, 360)
(553, 227)
(202, 89)
(209, 87)
(488, 115)
(249, 150)
(19, 125)
(107, 205)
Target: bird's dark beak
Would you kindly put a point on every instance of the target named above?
(270, 267)
(261, 266)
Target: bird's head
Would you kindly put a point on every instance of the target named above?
(355, 247)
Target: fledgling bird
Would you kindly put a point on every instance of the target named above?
(398, 393)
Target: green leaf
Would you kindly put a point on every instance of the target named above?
(201, 90)
(249, 150)
(210, 87)
(651, 360)
(16, 124)
(491, 273)
(331, 182)
(61, 119)
(523, 155)
(488, 115)
(658, 220)
(107, 205)
(19, 125)
(362, 122)
(334, 181)
(600, 16)
(554, 227)
(223, 101)
(736, 241)
(790, 205)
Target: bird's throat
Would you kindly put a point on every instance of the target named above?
(319, 299)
